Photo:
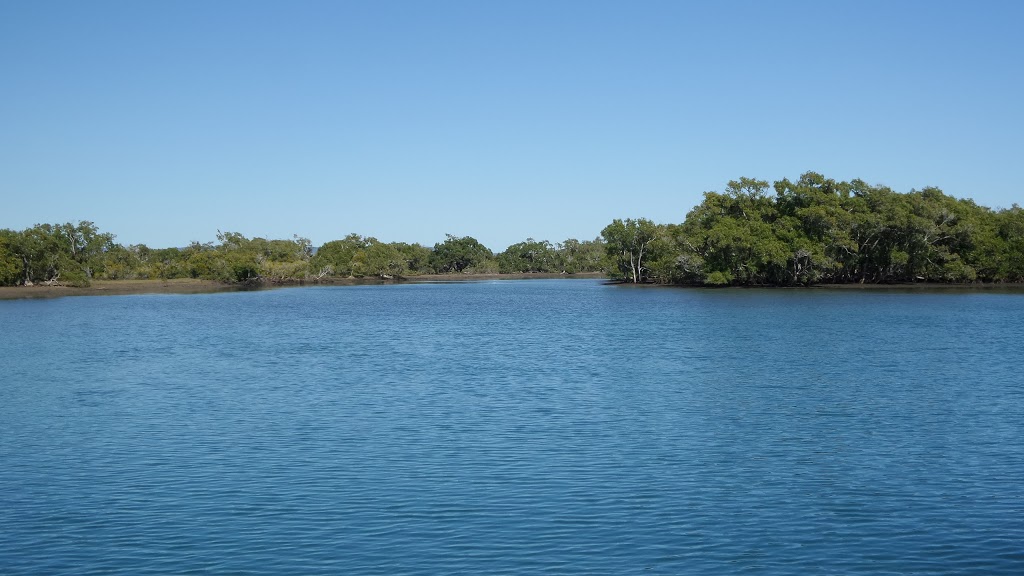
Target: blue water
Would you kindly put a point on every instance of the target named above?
(558, 427)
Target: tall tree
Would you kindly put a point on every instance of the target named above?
(630, 243)
(10, 263)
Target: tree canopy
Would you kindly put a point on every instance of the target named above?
(817, 230)
(75, 254)
(811, 230)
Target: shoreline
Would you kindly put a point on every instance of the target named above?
(906, 287)
(116, 288)
(199, 286)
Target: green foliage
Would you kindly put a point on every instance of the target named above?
(415, 256)
(818, 230)
(240, 259)
(358, 256)
(201, 261)
(585, 256)
(335, 258)
(812, 230)
(461, 254)
(166, 263)
(568, 257)
(121, 263)
(70, 254)
(379, 259)
(718, 278)
(10, 263)
(631, 245)
(530, 256)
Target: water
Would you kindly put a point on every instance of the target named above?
(560, 427)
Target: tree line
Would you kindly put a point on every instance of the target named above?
(810, 231)
(816, 230)
(75, 254)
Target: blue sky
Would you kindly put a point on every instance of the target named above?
(163, 122)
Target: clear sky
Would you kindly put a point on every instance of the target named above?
(163, 122)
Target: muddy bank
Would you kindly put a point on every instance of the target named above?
(116, 287)
(197, 286)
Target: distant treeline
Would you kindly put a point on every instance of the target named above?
(74, 254)
(811, 231)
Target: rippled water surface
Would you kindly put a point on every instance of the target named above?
(560, 427)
